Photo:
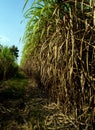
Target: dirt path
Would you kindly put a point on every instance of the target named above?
(16, 113)
(29, 109)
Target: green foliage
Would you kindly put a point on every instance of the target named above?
(20, 75)
(13, 88)
(8, 65)
(14, 50)
(38, 14)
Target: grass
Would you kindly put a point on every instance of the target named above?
(22, 109)
(13, 88)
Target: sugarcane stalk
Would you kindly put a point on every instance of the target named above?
(94, 13)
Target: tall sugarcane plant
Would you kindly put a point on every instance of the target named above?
(59, 36)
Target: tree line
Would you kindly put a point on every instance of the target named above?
(8, 62)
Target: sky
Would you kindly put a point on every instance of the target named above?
(12, 23)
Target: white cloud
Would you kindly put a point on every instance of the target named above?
(4, 39)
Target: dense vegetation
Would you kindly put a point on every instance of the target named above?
(59, 40)
(8, 65)
(58, 62)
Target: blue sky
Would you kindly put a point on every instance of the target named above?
(11, 27)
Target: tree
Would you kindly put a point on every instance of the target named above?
(7, 63)
(14, 50)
